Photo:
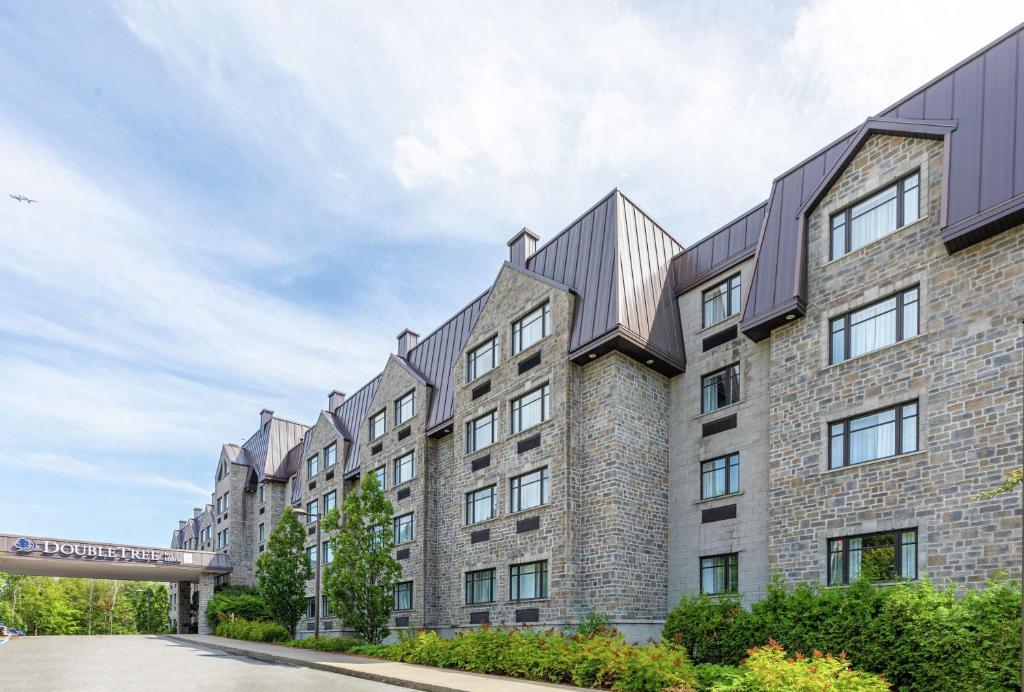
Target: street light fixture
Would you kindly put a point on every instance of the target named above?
(316, 578)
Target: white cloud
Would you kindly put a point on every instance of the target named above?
(71, 467)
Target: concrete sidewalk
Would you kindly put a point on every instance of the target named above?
(402, 674)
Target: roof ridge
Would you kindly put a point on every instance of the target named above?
(450, 319)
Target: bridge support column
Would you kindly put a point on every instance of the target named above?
(184, 600)
(205, 594)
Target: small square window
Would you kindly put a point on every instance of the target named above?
(481, 432)
(530, 409)
(482, 359)
(377, 425)
(720, 574)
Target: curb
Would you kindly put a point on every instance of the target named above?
(365, 675)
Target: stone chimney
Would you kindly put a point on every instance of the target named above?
(265, 416)
(406, 340)
(181, 524)
(196, 512)
(522, 246)
(334, 400)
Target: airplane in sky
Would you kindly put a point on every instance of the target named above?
(23, 198)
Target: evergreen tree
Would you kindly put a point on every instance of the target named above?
(282, 571)
(360, 581)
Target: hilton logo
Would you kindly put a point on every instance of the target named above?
(24, 545)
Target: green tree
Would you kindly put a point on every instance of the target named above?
(282, 571)
(360, 582)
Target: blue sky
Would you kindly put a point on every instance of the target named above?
(242, 203)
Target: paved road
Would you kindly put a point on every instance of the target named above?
(84, 664)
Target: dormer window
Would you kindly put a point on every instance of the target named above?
(530, 329)
(721, 301)
(878, 215)
(405, 407)
(482, 359)
(377, 425)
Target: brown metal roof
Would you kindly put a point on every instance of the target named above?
(984, 95)
(718, 252)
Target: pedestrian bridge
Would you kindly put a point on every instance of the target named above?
(61, 557)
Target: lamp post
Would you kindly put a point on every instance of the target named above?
(316, 578)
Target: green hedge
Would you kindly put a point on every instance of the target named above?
(920, 638)
(604, 661)
(340, 644)
(239, 628)
(243, 603)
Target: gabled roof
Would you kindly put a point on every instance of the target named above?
(267, 449)
(409, 368)
(350, 416)
(984, 95)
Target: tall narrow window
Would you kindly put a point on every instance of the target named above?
(876, 325)
(311, 555)
(482, 359)
(312, 511)
(330, 501)
(403, 595)
(721, 301)
(381, 474)
(529, 580)
(720, 388)
(262, 493)
(327, 553)
(529, 490)
(481, 432)
(330, 455)
(405, 408)
(530, 409)
(720, 476)
(312, 466)
(404, 529)
(480, 587)
(480, 504)
(325, 607)
(530, 329)
(310, 607)
(885, 556)
(876, 435)
(720, 574)
(377, 425)
(880, 214)
(405, 468)
(263, 532)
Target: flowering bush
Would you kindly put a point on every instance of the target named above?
(768, 669)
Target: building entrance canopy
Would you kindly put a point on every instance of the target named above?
(61, 557)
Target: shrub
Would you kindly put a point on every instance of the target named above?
(243, 603)
(604, 660)
(919, 638)
(712, 677)
(240, 628)
(340, 644)
(594, 623)
(768, 669)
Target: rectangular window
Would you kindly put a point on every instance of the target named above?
(381, 474)
(262, 490)
(480, 587)
(263, 532)
(405, 468)
(530, 329)
(327, 553)
(480, 504)
(405, 408)
(220, 504)
(880, 214)
(528, 581)
(482, 359)
(225, 538)
(225, 501)
(481, 432)
(313, 511)
(311, 555)
(403, 595)
(330, 501)
(377, 425)
(530, 409)
(529, 490)
(312, 466)
(720, 476)
(378, 536)
(330, 455)
(875, 435)
(882, 323)
(885, 556)
(721, 301)
(404, 529)
(720, 388)
(325, 607)
(310, 607)
(720, 574)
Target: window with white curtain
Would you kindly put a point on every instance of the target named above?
(481, 432)
(875, 435)
(530, 409)
(721, 301)
(720, 476)
(530, 329)
(881, 213)
(720, 388)
(720, 574)
(876, 557)
(876, 325)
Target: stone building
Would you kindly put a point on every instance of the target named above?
(819, 389)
